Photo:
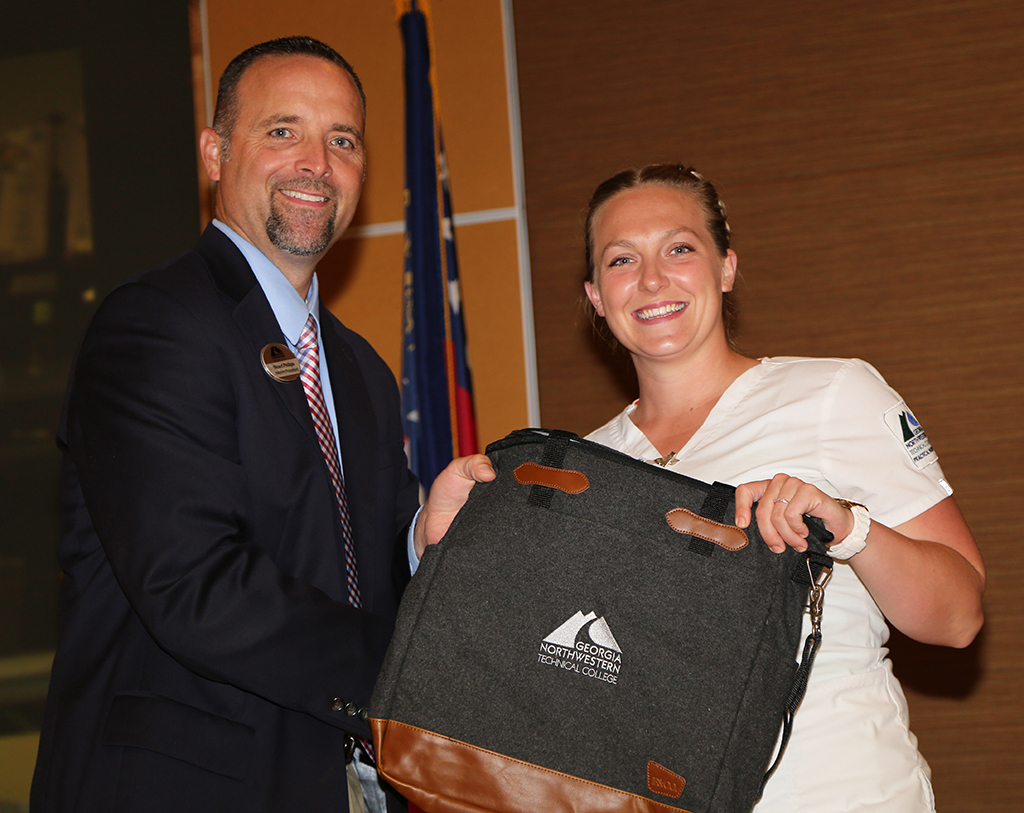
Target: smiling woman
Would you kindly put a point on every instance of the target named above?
(670, 176)
(802, 436)
(661, 277)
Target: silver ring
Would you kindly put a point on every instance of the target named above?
(779, 499)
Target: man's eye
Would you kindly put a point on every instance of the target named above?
(343, 142)
(279, 132)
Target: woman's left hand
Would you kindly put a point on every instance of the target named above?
(781, 505)
(926, 575)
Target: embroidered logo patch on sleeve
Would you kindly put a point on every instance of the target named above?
(909, 432)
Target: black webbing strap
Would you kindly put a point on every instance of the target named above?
(714, 507)
(717, 502)
(555, 447)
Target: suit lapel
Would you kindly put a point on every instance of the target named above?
(256, 319)
(254, 316)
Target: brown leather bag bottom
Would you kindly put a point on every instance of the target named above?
(415, 758)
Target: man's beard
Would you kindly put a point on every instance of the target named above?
(302, 234)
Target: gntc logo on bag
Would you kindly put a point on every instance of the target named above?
(595, 655)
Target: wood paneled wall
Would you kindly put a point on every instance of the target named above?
(872, 157)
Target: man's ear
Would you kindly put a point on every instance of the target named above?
(594, 296)
(210, 151)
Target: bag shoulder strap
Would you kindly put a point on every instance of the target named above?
(816, 597)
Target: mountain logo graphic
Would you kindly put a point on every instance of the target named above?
(911, 435)
(909, 424)
(585, 645)
(599, 632)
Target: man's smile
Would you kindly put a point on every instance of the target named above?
(308, 196)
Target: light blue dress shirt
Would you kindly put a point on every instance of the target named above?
(292, 311)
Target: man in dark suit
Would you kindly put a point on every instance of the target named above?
(227, 600)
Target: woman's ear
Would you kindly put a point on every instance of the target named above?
(728, 271)
(594, 297)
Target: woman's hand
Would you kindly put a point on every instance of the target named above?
(926, 575)
(782, 503)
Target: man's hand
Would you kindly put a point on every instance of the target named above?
(447, 496)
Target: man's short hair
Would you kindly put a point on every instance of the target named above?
(226, 114)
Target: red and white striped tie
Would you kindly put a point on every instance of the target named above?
(309, 363)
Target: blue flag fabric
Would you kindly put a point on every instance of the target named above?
(437, 395)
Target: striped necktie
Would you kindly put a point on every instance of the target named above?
(309, 363)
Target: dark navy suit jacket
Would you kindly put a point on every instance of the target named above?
(205, 636)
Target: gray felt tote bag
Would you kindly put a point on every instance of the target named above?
(593, 634)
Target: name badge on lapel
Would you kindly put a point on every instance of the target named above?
(279, 362)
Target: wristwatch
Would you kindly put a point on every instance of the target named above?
(857, 539)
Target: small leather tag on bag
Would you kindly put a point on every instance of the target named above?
(729, 537)
(571, 482)
(661, 780)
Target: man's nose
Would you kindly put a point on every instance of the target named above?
(315, 159)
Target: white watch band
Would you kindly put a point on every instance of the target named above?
(857, 539)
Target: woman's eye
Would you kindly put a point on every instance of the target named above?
(683, 249)
(618, 261)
